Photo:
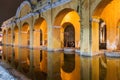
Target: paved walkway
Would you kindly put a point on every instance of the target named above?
(9, 73)
(4, 74)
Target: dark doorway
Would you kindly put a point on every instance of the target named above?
(102, 35)
(69, 36)
(40, 37)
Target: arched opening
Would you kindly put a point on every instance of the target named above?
(67, 29)
(40, 30)
(104, 11)
(69, 36)
(102, 35)
(25, 35)
(15, 35)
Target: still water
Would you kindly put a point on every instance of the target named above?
(42, 65)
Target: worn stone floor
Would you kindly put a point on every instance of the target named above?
(8, 73)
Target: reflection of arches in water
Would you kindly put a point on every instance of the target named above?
(69, 36)
(69, 63)
(41, 37)
(40, 55)
(102, 68)
(39, 75)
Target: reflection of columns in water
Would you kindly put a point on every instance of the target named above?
(24, 60)
(85, 68)
(31, 69)
(9, 53)
(38, 64)
(95, 68)
(53, 66)
(113, 69)
(16, 56)
(5, 52)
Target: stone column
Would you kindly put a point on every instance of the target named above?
(16, 38)
(24, 37)
(7, 38)
(95, 36)
(4, 38)
(12, 34)
(19, 38)
(55, 40)
(31, 37)
(85, 28)
(36, 39)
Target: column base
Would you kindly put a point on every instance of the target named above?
(50, 49)
(68, 49)
(43, 47)
(89, 54)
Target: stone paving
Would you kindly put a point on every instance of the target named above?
(4, 75)
(9, 73)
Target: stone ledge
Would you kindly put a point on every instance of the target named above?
(54, 50)
(67, 49)
(112, 54)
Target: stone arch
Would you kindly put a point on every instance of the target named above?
(25, 35)
(105, 11)
(23, 9)
(16, 35)
(40, 28)
(68, 16)
(100, 7)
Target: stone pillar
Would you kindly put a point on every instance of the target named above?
(54, 40)
(7, 38)
(36, 39)
(19, 38)
(16, 38)
(4, 38)
(24, 37)
(85, 28)
(31, 37)
(95, 36)
(12, 34)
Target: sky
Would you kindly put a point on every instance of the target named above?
(8, 9)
